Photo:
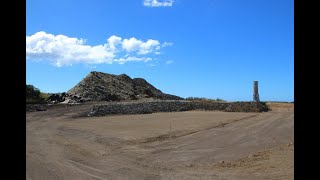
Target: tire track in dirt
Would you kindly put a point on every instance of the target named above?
(89, 170)
(165, 137)
(183, 147)
(81, 153)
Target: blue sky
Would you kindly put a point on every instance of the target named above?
(203, 48)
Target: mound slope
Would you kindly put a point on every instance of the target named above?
(98, 86)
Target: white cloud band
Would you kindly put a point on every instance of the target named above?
(61, 50)
(158, 3)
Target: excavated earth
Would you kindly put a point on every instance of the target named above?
(99, 86)
(64, 144)
(146, 106)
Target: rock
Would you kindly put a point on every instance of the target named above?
(57, 98)
(36, 107)
(65, 98)
(67, 101)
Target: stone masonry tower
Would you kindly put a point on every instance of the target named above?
(255, 92)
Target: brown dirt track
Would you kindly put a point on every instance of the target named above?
(199, 145)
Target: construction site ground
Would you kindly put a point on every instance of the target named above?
(172, 145)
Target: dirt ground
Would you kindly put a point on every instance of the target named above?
(281, 106)
(177, 145)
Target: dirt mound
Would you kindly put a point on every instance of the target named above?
(98, 86)
(139, 107)
(252, 159)
(247, 107)
(146, 107)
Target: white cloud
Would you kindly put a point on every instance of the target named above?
(158, 3)
(114, 41)
(131, 44)
(61, 50)
(169, 62)
(127, 59)
(165, 44)
(141, 47)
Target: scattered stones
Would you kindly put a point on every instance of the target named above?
(36, 107)
(65, 98)
(58, 97)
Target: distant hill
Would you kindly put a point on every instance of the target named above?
(98, 86)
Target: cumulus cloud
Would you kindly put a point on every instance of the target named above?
(158, 3)
(113, 41)
(139, 46)
(62, 50)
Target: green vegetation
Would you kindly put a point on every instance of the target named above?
(45, 95)
(204, 99)
(34, 95)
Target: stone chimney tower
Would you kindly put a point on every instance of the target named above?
(255, 92)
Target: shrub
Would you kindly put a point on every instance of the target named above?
(203, 99)
(33, 95)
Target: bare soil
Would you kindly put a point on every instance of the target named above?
(176, 145)
(281, 106)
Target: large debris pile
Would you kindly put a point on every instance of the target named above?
(65, 98)
(98, 86)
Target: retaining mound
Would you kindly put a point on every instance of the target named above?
(247, 107)
(172, 106)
